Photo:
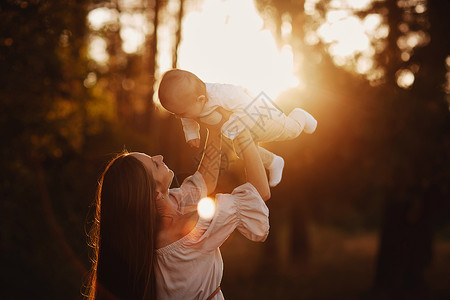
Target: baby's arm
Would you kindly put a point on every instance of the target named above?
(191, 132)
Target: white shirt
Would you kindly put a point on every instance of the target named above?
(192, 267)
(246, 110)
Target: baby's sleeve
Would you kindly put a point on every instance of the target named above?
(240, 103)
(191, 129)
(244, 210)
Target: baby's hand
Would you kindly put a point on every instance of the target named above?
(194, 143)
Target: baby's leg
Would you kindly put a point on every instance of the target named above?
(266, 156)
(288, 127)
(306, 121)
(281, 128)
(273, 163)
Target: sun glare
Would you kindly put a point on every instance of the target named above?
(133, 26)
(351, 40)
(102, 16)
(224, 41)
(206, 208)
(346, 35)
(405, 78)
(132, 32)
(359, 4)
(97, 50)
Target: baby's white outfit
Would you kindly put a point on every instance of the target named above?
(192, 267)
(258, 114)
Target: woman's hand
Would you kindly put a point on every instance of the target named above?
(194, 143)
(209, 166)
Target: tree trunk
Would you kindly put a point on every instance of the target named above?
(150, 108)
(178, 35)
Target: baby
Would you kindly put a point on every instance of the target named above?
(189, 98)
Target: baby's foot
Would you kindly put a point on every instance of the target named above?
(304, 118)
(276, 170)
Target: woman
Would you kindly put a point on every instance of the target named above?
(149, 240)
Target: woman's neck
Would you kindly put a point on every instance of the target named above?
(175, 227)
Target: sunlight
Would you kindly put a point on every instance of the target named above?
(346, 35)
(363, 65)
(235, 48)
(133, 26)
(371, 23)
(102, 16)
(286, 26)
(130, 3)
(206, 208)
(405, 78)
(97, 50)
(90, 80)
(132, 32)
(359, 4)
(352, 40)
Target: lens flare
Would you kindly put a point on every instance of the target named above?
(226, 42)
(206, 208)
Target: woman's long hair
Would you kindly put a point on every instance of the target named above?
(123, 235)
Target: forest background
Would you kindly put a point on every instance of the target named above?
(363, 209)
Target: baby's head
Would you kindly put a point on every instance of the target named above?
(182, 93)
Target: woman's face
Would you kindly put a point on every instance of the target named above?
(160, 172)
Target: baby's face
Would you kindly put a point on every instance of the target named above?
(189, 107)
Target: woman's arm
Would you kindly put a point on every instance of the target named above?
(209, 166)
(210, 163)
(254, 168)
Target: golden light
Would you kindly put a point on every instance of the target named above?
(90, 80)
(405, 56)
(359, 4)
(133, 26)
(371, 22)
(133, 31)
(351, 40)
(364, 65)
(224, 41)
(206, 208)
(346, 35)
(102, 16)
(333, 16)
(420, 8)
(130, 3)
(97, 50)
(382, 32)
(286, 26)
(405, 78)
